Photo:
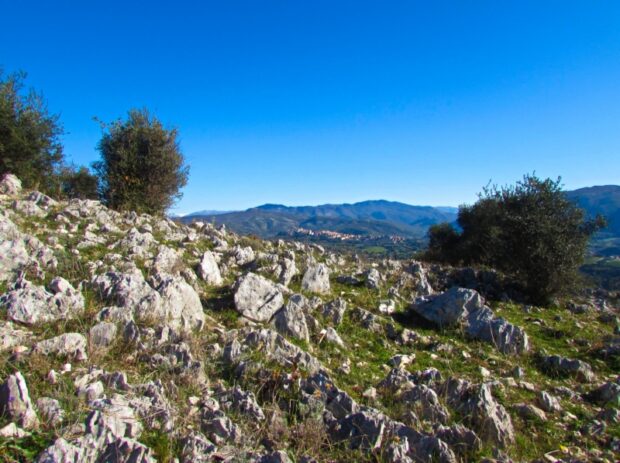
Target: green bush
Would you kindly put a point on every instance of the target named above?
(29, 135)
(78, 183)
(141, 167)
(529, 231)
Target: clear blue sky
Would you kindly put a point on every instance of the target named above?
(331, 101)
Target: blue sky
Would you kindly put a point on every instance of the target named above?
(331, 101)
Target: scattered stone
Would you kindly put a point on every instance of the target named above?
(291, 321)
(316, 279)
(548, 402)
(387, 307)
(51, 411)
(15, 402)
(103, 334)
(554, 364)
(30, 304)
(70, 345)
(334, 310)
(373, 279)
(12, 431)
(332, 336)
(448, 308)
(10, 185)
(401, 360)
(209, 271)
(257, 298)
(528, 412)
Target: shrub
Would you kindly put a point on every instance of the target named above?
(78, 183)
(141, 167)
(29, 135)
(530, 231)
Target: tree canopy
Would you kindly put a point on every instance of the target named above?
(141, 167)
(30, 144)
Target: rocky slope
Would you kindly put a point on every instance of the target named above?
(130, 338)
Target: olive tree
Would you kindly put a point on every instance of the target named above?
(141, 167)
(530, 231)
(30, 144)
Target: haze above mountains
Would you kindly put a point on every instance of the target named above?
(380, 217)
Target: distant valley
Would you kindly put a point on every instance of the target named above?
(388, 227)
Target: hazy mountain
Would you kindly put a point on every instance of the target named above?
(604, 200)
(382, 217)
(206, 212)
(365, 218)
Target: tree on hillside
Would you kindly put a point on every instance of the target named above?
(530, 231)
(29, 135)
(78, 183)
(141, 167)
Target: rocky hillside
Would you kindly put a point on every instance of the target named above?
(130, 338)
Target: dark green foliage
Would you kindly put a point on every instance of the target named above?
(29, 136)
(141, 167)
(531, 231)
(79, 183)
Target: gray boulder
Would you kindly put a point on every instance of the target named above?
(507, 338)
(209, 271)
(51, 411)
(174, 303)
(291, 321)
(257, 298)
(11, 336)
(554, 364)
(334, 310)
(103, 334)
(10, 185)
(181, 305)
(449, 308)
(373, 279)
(287, 270)
(606, 393)
(15, 403)
(70, 345)
(316, 279)
(13, 257)
(30, 304)
(476, 402)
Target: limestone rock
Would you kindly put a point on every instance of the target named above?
(373, 279)
(30, 304)
(181, 305)
(507, 338)
(50, 410)
(103, 334)
(548, 402)
(209, 271)
(70, 345)
(485, 414)
(287, 271)
(257, 298)
(555, 364)
(335, 310)
(10, 185)
(316, 279)
(291, 321)
(15, 402)
(11, 336)
(449, 308)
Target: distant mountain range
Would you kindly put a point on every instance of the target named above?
(368, 218)
(380, 217)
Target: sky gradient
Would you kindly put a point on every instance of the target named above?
(303, 103)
